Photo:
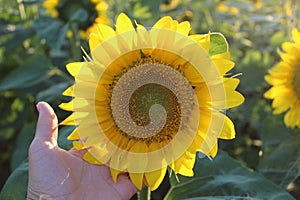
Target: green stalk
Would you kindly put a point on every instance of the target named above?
(21, 9)
(144, 194)
(75, 41)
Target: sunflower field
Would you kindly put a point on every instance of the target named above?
(254, 44)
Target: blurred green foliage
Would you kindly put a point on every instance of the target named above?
(263, 162)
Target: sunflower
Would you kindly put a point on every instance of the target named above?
(169, 5)
(285, 80)
(151, 99)
(96, 9)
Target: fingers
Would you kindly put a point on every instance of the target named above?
(78, 153)
(46, 130)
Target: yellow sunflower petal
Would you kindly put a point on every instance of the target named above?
(118, 161)
(234, 99)
(114, 174)
(74, 135)
(213, 151)
(213, 97)
(67, 106)
(78, 145)
(273, 80)
(164, 22)
(107, 124)
(281, 67)
(283, 102)
(174, 25)
(184, 165)
(144, 39)
(296, 36)
(73, 68)
(103, 33)
(137, 163)
(202, 40)
(291, 48)
(291, 118)
(137, 179)
(228, 131)
(90, 136)
(184, 28)
(102, 151)
(123, 24)
(223, 65)
(192, 74)
(91, 159)
(196, 144)
(275, 91)
(75, 104)
(94, 41)
(288, 58)
(69, 91)
(155, 178)
(69, 121)
(225, 55)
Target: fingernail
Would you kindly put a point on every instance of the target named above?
(38, 106)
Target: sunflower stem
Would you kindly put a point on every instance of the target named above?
(75, 41)
(144, 194)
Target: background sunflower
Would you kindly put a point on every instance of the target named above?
(285, 80)
(261, 162)
(90, 11)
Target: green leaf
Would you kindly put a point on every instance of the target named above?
(14, 111)
(224, 177)
(25, 138)
(218, 44)
(61, 36)
(52, 93)
(145, 11)
(15, 187)
(278, 38)
(33, 71)
(17, 34)
(282, 165)
(63, 142)
(273, 130)
(254, 66)
(22, 145)
(280, 161)
(53, 31)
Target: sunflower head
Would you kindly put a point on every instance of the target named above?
(285, 80)
(169, 5)
(92, 12)
(150, 99)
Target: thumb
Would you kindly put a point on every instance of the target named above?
(46, 129)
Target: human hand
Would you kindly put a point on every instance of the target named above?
(58, 174)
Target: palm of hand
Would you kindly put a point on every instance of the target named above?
(58, 174)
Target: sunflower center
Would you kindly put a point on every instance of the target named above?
(296, 80)
(153, 102)
(149, 101)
